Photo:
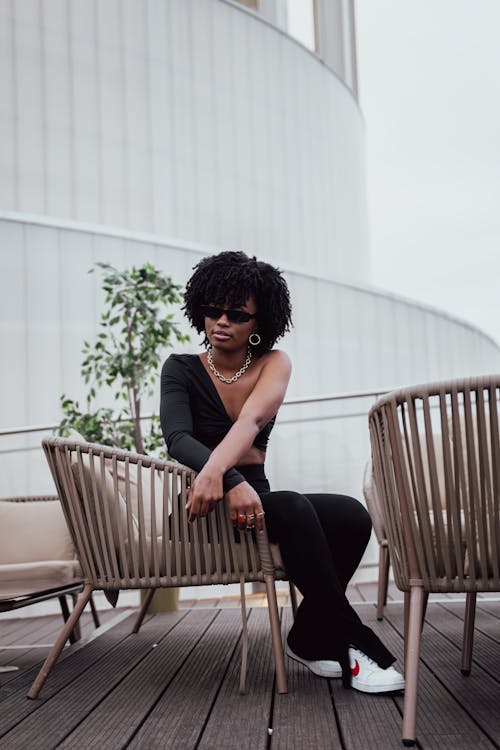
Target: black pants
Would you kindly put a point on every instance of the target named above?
(322, 538)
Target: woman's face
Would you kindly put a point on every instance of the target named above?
(228, 328)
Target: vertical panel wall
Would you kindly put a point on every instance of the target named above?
(193, 119)
(345, 339)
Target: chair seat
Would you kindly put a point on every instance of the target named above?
(55, 572)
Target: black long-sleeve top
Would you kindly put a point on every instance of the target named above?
(193, 417)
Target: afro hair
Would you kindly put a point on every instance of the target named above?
(228, 279)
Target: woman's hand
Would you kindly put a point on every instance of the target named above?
(204, 493)
(245, 507)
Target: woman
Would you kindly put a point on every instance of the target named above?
(217, 411)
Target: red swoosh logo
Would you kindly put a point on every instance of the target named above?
(355, 669)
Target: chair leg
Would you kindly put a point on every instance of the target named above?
(279, 658)
(468, 639)
(424, 609)
(412, 655)
(77, 631)
(406, 614)
(65, 613)
(383, 580)
(143, 610)
(244, 640)
(93, 609)
(61, 640)
(293, 599)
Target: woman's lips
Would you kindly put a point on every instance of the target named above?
(221, 336)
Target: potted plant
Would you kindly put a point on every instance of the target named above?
(136, 327)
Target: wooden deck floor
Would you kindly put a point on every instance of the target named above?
(175, 685)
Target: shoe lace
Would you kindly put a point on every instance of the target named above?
(365, 658)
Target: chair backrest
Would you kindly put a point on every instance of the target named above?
(126, 513)
(373, 503)
(434, 440)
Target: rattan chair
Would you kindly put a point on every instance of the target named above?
(417, 434)
(127, 517)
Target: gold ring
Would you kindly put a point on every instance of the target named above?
(259, 515)
(250, 516)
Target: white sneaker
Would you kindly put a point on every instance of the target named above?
(322, 667)
(368, 677)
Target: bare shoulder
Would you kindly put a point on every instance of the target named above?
(278, 360)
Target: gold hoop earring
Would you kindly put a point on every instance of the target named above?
(254, 339)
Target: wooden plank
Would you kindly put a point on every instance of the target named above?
(489, 599)
(448, 620)
(91, 698)
(73, 661)
(303, 718)
(45, 634)
(393, 593)
(442, 718)
(26, 629)
(242, 720)
(178, 718)
(120, 714)
(59, 715)
(367, 592)
(367, 721)
(486, 620)
(490, 606)
(22, 661)
(48, 629)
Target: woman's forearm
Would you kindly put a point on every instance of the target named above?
(192, 453)
(234, 446)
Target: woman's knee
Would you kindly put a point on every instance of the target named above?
(343, 511)
(359, 516)
(286, 504)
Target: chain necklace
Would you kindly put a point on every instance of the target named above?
(236, 375)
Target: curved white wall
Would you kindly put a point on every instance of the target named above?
(345, 338)
(195, 120)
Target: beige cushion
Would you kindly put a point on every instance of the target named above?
(117, 505)
(106, 499)
(49, 572)
(373, 502)
(116, 502)
(33, 532)
(150, 509)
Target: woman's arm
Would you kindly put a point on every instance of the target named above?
(177, 423)
(260, 406)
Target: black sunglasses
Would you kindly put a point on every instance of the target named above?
(234, 316)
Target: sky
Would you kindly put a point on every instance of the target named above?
(429, 73)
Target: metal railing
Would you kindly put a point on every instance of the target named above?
(294, 401)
